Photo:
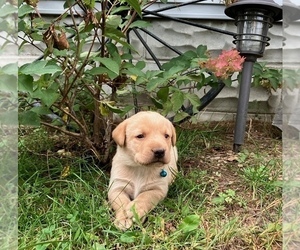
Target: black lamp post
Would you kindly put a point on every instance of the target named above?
(253, 20)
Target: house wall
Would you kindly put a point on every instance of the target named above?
(183, 37)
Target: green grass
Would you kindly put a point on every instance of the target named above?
(215, 202)
(8, 189)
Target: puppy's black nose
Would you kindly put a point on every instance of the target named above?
(159, 153)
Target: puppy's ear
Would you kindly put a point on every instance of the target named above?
(173, 135)
(119, 133)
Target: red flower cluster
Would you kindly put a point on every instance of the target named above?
(225, 64)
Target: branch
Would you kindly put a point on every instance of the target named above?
(84, 138)
(58, 19)
(103, 23)
(62, 130)
(31, 43)
(84, 63)
(83, 129)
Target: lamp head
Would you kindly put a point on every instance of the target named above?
(253, 20)
(267, 5)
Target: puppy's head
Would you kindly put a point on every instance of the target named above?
(147, 137)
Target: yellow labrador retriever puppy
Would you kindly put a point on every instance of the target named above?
(143, 167)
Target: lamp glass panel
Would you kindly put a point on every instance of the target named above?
(252, 32)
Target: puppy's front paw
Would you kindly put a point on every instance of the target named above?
(123, 223)
(135, 211)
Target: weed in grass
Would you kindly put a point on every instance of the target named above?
(259, 173)
(256, 177)
(228, 197)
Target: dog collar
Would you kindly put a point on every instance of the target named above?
(163, 173)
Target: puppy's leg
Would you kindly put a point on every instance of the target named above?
(119, 200)
(145, 202)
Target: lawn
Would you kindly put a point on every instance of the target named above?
(220, 200)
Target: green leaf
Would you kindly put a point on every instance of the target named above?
(114, 33)
(274, 83)
(113, 21)
(129, 237)
(40, 110)
(152, 73)
(190, 223)
(47, 96)
(218, 200)
(109, 64)
(119, 37)
(180, 116)
(230, 192)
(172, 72)
(256, 81)
(194, 99)
(39, 24)
(119, 9)
(113, 51)
(8, 10)
(86, 54)
(126, 56)
(8, 83)
(42, 246)
(25, 83)
(141, 80)
(89, 3)
(102, 70)
(154, 83)
(126, 109)
(4, 25)
(163, 94)
(29, 118)
(9, 69)
(140, 65)
(139, 24)
(57, 52)
(37, 36)
(157, 103)
(199, 78)
(202, 51)
(190, 54)
(39, 68)
(98, 246)
(177, 100)
(25, 9)
(69, 3)
(227, 81)
(135, 4)
(135, 72)
(257, 69)
(114, 109)
(182, 61)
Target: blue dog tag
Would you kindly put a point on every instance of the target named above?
(163, 173)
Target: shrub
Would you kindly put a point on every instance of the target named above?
(87, 66)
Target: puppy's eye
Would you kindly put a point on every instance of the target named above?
(140, 136)
(167, 136)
